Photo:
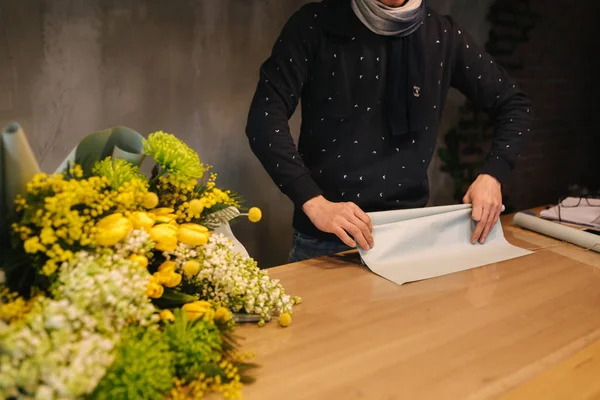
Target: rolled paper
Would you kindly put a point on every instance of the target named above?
(119, 142)
(574, 236)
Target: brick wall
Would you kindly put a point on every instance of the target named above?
(559, 68)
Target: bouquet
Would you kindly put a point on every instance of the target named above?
(115, 283)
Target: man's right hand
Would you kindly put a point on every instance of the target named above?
(341, 219)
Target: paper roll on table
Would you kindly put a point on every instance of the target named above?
(575, 236)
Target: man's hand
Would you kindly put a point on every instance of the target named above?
(341, 219)
(486, 196)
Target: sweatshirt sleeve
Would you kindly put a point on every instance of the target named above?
(487, 84)
(282, 77)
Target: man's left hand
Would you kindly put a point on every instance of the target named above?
(486, 196)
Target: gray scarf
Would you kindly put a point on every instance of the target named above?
(390, 21)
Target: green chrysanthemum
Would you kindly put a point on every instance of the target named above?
(196, 347)
(174, 156)
(118, 171)
(142, 368)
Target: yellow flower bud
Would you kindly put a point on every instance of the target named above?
(142, 220)
(192, 235)
(191, 268)
(112, 229)
(165, 236)
(254, 214)
(196, 207)
(222, 314)
(285, 319)
(166, 315)
(196, 309)
(140, 260)
(150, 200)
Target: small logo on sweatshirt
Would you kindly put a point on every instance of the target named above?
(416, 91)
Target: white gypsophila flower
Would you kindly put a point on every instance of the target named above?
(233, 280)
(111, 291)
(137, 241)
(51, 361)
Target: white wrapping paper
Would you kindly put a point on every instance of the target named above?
(417, 244)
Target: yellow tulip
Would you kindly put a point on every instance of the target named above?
(154, 289)
(209, 315)
(167, 315)
(163, 211)
(191, 268)
(167, 266)
(254, 214)
(196, 207)
(112, 229)
(150, 200)
(222, 314)
(140, 260)
(166, 245)
(196, 309)
(174, 280)
(167, 219)
(165, 236)
(285, 319)
(195, 227)
(192, 234)
(142, 220)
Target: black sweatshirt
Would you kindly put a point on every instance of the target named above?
(329, 60)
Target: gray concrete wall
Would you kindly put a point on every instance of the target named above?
(70, 67)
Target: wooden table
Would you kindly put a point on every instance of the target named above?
(523, 329)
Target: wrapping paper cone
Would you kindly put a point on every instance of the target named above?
(118, 142)
(19, 165)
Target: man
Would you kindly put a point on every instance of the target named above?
(373, 77)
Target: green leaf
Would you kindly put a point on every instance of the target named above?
(172, 298)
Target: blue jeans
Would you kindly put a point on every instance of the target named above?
(305, 247)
